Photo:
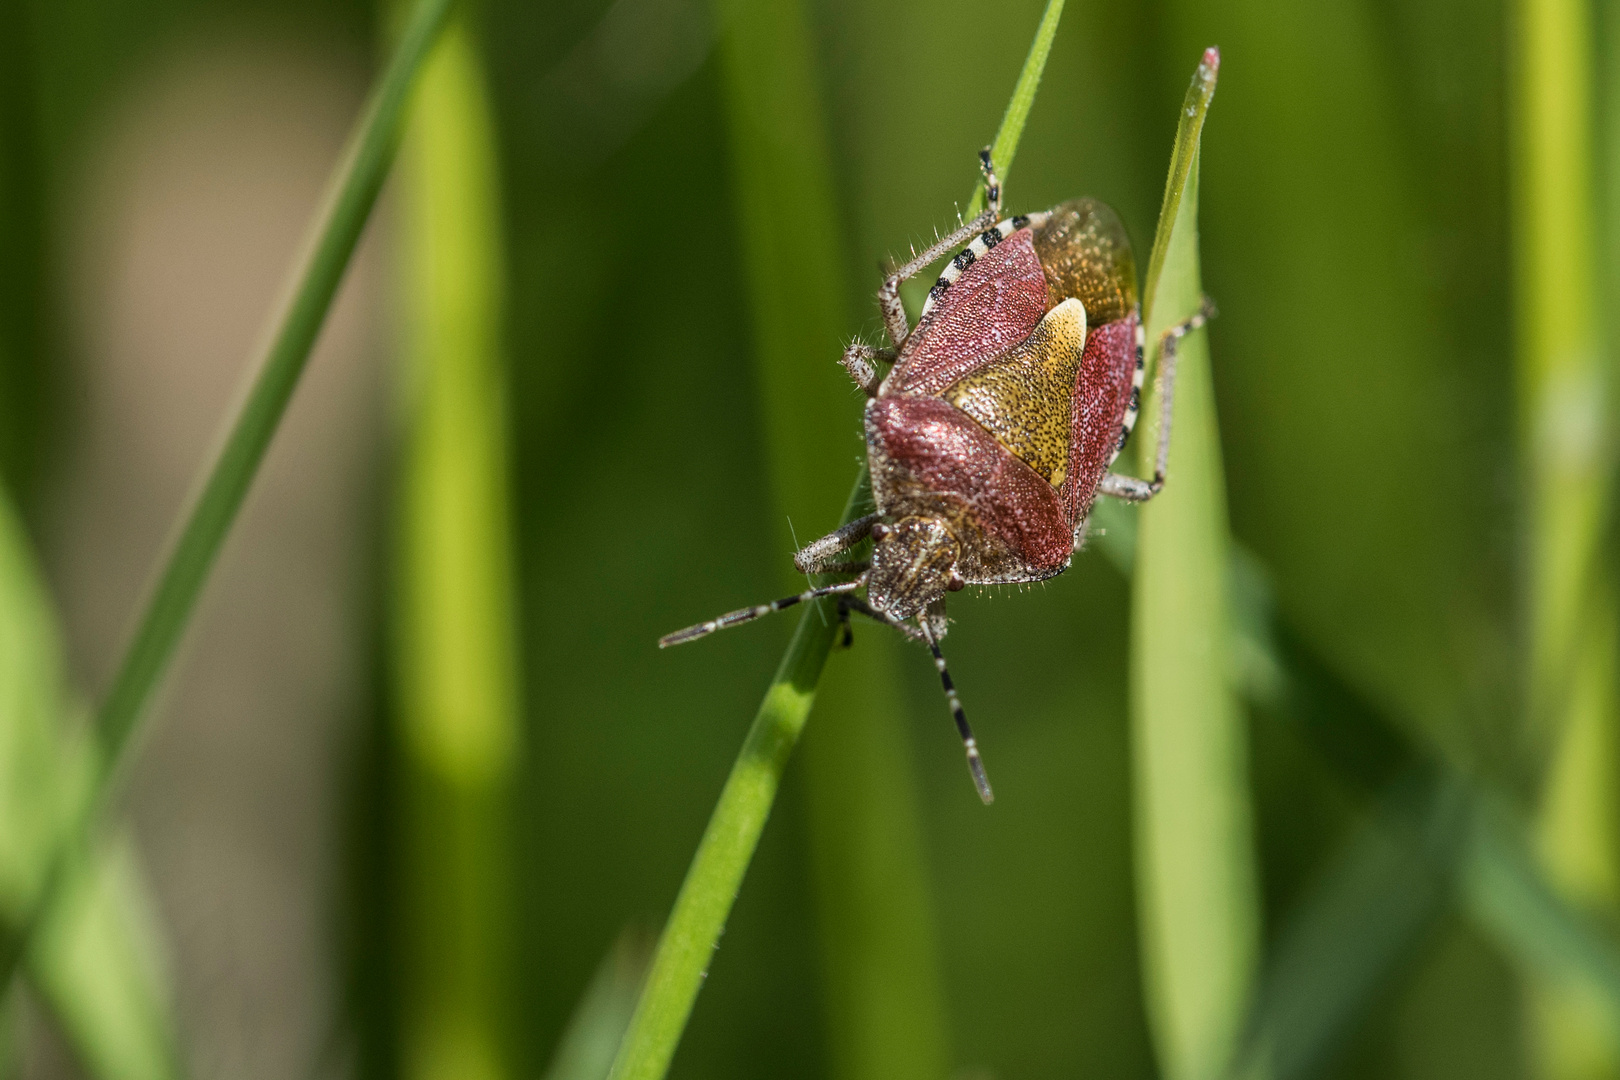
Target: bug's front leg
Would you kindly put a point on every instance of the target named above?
(857, 360)
(817, 557)
(1130, 488)
(894, 312)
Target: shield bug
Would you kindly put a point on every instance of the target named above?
(993, 431)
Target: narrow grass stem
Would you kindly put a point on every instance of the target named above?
(1197, 891)
(716, 872)
(351, 196)
(1571, 700)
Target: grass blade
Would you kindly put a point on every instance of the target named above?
(1564, 386)
(1197, 890)
(455, 650)
(1510, 896)
(358, 179)
(1023, 99)
(1359, 924)
(588, 1043)
(353, 193)
(94, 958)
(95, 962)
(704, 902)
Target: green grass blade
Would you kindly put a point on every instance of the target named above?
(338, 226)
(1511, 897)
(1564, 386)
(594, 1031)
(454, 633)
(1197, 892)
(354, 191)
(1358, 925)
(705, 898)
(1005, 147)
(93, 960)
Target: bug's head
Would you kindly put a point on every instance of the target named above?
(913, 564)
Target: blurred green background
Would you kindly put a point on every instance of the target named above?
(158, 161)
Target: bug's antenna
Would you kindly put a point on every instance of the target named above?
(969, 743)
(749, 614)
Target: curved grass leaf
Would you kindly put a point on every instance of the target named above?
(94, 959)
(1565, 384)
(353, 193)
(455, 654)
(1197, 892)
(705, 898)
(598, 1023)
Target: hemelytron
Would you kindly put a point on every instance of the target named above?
(992, 433)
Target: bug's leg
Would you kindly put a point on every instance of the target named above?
(969, 743)
(815, 557)
(847, 632)
(894, 313)
(857, 360)
(748, 614)
(861, 607)
(1129, 487)
(992, 185)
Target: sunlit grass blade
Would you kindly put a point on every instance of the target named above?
(588, 1043)
(1197, 892)
(94, 961)
(1354, 930)
(1511, 897)
(1005, 147)
(357, 181)
(455, 654)
(1564, 384)
(704, 902)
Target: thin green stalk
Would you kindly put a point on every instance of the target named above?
(1005, 147)
(455, 651)
(1574, 624)
(1197, 889)
(881, 989)
(728, 843)
(353, 193)
(94, 960)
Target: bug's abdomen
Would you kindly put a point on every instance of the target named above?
(1104, 392)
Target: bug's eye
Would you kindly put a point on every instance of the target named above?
(881, 532)
(957, 583)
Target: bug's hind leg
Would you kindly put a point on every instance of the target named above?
(1130, 488)
(894, 312)
(817, 556)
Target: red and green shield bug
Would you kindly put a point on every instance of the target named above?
(993, 432)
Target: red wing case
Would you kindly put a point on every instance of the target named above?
(991, 307)
(1102, 392)
(950, 454)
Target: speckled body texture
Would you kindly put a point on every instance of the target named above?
(1014, 392)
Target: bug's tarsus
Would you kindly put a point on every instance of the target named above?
(1129, 487)
(992, 186)
(816, 556)
(749, 614)
(969, 743)
(857, 360)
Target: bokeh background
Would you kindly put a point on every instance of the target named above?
(159, 161)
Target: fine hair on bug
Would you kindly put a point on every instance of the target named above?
(991, 423)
